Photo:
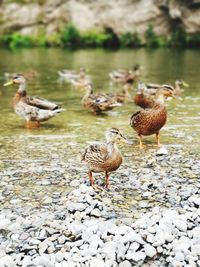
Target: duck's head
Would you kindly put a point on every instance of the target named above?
(16, 79)
(136, 67)
(181, 83)
(166, 91)
(115, 135)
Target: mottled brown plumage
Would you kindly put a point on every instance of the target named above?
(99, 102)
(104, 157)
(150, 121)
(143, 100)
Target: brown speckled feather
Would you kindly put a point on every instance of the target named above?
(143, 101)
(149, 121)
(99, 160)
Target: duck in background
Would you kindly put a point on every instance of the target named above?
(33, 109)
(105, 156)
(99, 102)
(126, 76)
(150, 121)
(77, 79)
(126, 96)
(176, 88)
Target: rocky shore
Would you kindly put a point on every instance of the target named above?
(50, 216)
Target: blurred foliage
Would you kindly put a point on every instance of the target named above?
(194, 40)
(152, 40)
(71, 37)
(94, 39)
(16, 41)
(130, 40)
(178, 38)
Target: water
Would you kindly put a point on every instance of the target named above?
(77, 125)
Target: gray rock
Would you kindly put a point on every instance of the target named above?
(162, 151)
(96, 213)
(42, 260)
(135, 256)
(179, 256)
(125, 264)
(95, 262)
(149, 250)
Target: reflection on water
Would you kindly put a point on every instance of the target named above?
(76, 124)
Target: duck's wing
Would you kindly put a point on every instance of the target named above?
(139, 117)
(34, 113)
(153, 86)
(168, 86)
(41, 103)
(96, 153)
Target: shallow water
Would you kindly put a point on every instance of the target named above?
(65, 136)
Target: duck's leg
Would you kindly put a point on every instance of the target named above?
(158, 139)
(107, 180)
(28, 125)
(91, 179)
(32, 124)
(140, 142)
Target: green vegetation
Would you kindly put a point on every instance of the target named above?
(71, 37)
(130, 40)
(152, 40)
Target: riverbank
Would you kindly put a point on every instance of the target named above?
(70, 37)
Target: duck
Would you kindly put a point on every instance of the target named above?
(125, 76)
(104, 156)
(33, 109)
(150, 121)
(77, 79)
(144, 98)
(124, 96)
(176, 88)
(99, 102)
(28, 75)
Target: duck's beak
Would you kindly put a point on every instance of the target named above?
(124, 139)
(185, 84)
(8, 83)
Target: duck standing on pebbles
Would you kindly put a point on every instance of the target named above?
(33, 109)
(150, 121)
(105, 157)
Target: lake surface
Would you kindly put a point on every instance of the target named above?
(76, 125)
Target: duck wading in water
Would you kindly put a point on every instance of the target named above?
(33, 109)
(98, 102)
(105, 157)
(149, 121)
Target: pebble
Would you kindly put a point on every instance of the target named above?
(157, 213)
